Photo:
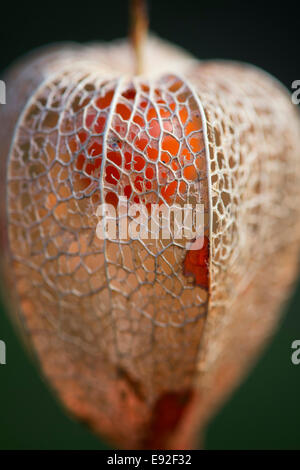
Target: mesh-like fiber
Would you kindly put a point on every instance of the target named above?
(119, 326)
(116, 325)
(254, 151)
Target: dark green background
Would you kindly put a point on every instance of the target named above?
(264, 413)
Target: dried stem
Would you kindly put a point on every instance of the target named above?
(138, 30)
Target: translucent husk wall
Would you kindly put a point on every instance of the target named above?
(140, 339)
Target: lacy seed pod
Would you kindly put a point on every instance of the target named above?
(142, 339)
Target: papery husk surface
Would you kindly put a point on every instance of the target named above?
(130, 344)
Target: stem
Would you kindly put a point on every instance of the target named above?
(138, 30)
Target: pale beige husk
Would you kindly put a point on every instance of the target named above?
(114, 327)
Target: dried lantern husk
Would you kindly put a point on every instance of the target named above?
(140, 339)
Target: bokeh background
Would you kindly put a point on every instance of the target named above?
(264, 412)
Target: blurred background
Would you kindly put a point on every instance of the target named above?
(264, 412)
